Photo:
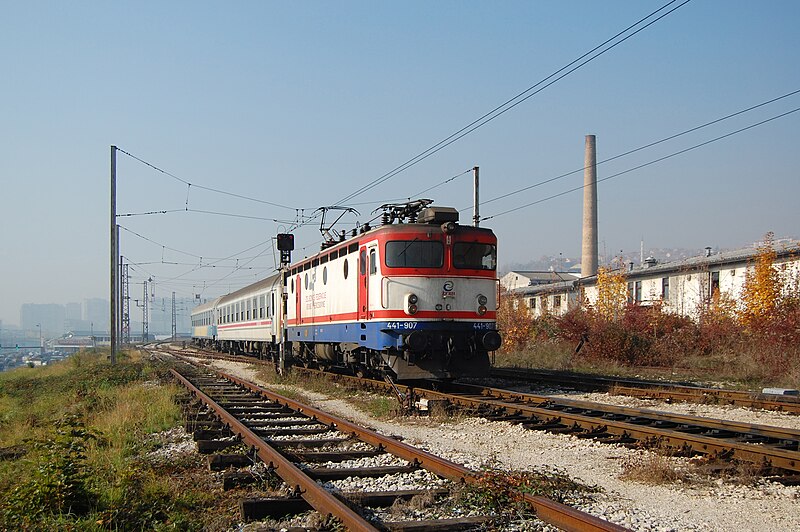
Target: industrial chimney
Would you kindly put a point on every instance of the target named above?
(589, 248)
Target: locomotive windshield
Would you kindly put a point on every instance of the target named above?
(414, 254)
(474, 256)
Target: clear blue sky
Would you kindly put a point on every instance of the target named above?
(302, 103)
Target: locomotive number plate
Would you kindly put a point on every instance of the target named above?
(402, 325)
(483, 326)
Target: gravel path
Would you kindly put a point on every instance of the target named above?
(713, 505)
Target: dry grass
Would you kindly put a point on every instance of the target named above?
(655, 469)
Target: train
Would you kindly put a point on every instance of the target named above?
(414, 298)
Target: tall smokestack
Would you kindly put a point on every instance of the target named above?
(589, 248)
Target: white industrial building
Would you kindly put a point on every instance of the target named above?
(682, 287)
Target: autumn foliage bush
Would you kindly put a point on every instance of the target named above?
(756, 337)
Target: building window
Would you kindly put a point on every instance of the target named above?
(532, 302)
(714, 288)
(638, 291)
(665, 288)
(556, 301)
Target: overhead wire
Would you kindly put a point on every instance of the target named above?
(486, 118)
(640, 148)
(520, 98)
(650, 163)
(203, 187)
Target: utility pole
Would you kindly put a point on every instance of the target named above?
(114, 253)
(476, 217)
(120, 302)
(174, 319)
(145, 315)
(41, 344)
(126, 306)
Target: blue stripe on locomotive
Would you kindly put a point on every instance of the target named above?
(378, 335)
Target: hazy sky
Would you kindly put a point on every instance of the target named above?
(300, 104)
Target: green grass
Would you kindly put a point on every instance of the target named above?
(83, 425)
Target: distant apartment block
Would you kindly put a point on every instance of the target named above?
(49, 316)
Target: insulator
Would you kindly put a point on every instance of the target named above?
(412, 218)
(386, 218)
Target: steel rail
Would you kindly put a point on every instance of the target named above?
(710, 423)
(319, 498)
(557, 514)
(788, 460)
(637, 388)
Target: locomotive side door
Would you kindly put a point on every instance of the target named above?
(298, 302)
(363, 285)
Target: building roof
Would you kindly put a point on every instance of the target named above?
(547, 276)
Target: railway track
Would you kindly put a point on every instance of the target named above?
(654, 390)
(310, 450)
(774, 448)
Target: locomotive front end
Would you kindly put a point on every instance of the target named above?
(440, 282)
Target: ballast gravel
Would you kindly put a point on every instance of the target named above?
(477, 443)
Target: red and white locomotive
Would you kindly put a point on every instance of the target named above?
(415, 299)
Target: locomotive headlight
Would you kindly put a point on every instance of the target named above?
(482, 300)
(482, 310)
(411, 301)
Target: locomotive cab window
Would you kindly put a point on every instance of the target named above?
(414, 254)
(474, 256)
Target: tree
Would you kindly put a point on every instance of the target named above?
(612, 293)
(762, 286)
(514, 320)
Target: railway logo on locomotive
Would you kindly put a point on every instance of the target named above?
(448, 289)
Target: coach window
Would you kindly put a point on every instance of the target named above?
(291, 286)
(306, 281)
(255, 308)
(346, 268)
(373, 262)
(238, 308)
(362, 262)
(324, 275)
(263, 300)
(249, 307)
